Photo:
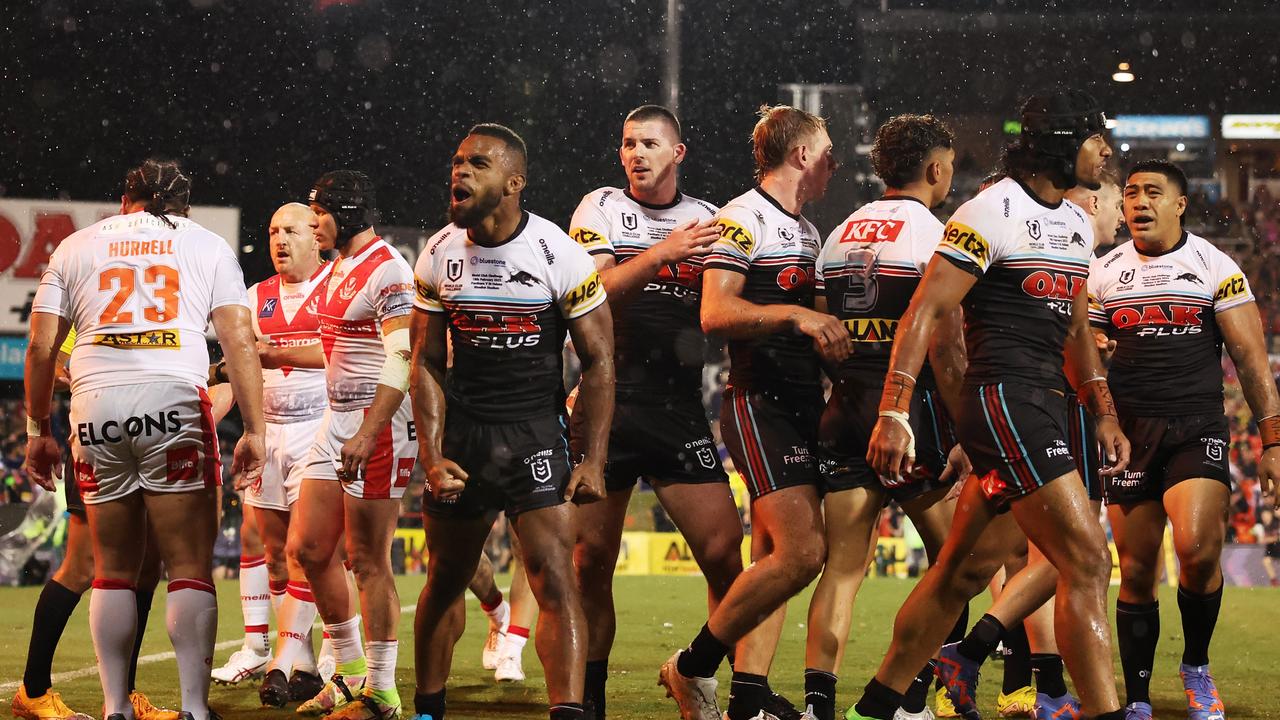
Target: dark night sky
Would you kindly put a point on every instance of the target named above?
(261, 96)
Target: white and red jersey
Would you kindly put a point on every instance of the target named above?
(359, 295)
(284, 315)
(139, 294)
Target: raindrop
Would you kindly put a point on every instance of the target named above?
(222, 168)
(324, 60)
(1188, 40)
(226, 124)
(1146, 39)
(374, 51)
(215, 67)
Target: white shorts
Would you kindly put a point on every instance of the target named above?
(391, 465)
(156, 436)
(288, 446)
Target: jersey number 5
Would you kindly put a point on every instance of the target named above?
(162, 280)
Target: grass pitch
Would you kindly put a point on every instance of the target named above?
(657, 615)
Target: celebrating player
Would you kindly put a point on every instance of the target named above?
(867, 270)
(1017, 256)
(758, 292)
(140, 287)
(1025, 598)
(506, 285)
(363, 455)
(648, 241)
(1171, 301)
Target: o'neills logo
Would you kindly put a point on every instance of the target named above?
(249, 598)
(300, 637)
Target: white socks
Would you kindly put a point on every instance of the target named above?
(255, 604)
(113, 620)
(293, 635)
(192, 620)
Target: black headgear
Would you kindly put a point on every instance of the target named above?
(348, 196)
(1057, 124)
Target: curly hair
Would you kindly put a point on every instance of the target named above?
(161, 185)
(903, 144)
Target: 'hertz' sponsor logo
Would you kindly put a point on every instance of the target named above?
(584, 294)
(150, 340)
(968, 241)
(871, 329)
(734, 233)
(1231, 287)
(871, 230)
(587, 238)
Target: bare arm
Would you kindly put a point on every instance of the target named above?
(301, 356)
(428, 333)
(592, 336)
(47, 333)
(727, 314)
(234, 328)
(623, 281)
(1242, 333)
(949, 358)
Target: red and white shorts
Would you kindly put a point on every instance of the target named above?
(391, 465)
(157, 436)
(288, 447)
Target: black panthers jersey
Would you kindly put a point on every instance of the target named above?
(658, 342)
(508, 309)
(1160, 310)
(1031, 260)
(776, 251)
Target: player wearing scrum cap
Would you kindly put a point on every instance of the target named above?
(1017, 257)
(1025, 597)
(648, 241)
(140, 287)
(1171, 301)
(758, 291)
(506, 286)
(364, 453)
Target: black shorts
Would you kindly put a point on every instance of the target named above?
(1272, 550)
(669, 442)
(1016, 437)
(772, 438)
(514, 467)
(1084, 446)
(847, 422)
(71, 490)
(1167, 450)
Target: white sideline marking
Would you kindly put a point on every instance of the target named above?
(92, 670)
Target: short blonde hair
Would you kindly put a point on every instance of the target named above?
(780, 128)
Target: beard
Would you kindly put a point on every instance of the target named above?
(481, 206)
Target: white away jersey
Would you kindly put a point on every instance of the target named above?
(1160, 310)
(1031, 259)
(508, 308)
(284, 315)
(868, 270)
(361, 293)
(139, 294)
(776, 251)
(658, 340)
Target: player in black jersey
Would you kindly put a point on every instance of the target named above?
(867, 270)
(1026, 595)
(648, 241)
(758, 291)
(1017, 257)
(506, 285)
(1172, 301)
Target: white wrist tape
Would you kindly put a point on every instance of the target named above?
(395, 369)
(905, 421)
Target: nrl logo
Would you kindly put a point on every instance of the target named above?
(1126, 277)
(630, 221)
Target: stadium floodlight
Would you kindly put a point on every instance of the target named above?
(1123, 73)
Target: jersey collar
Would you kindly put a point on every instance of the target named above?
(651, 206)
(520, 226)
(1176, 247)
(775, 203)
(911, 198)
(1031, 194)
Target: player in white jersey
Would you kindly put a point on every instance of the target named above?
(140, 288)
(294, 398)
(758, 291)
(363, 455)
(507, 286)
(648, 241)
(1172, 301)
(867, 270)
